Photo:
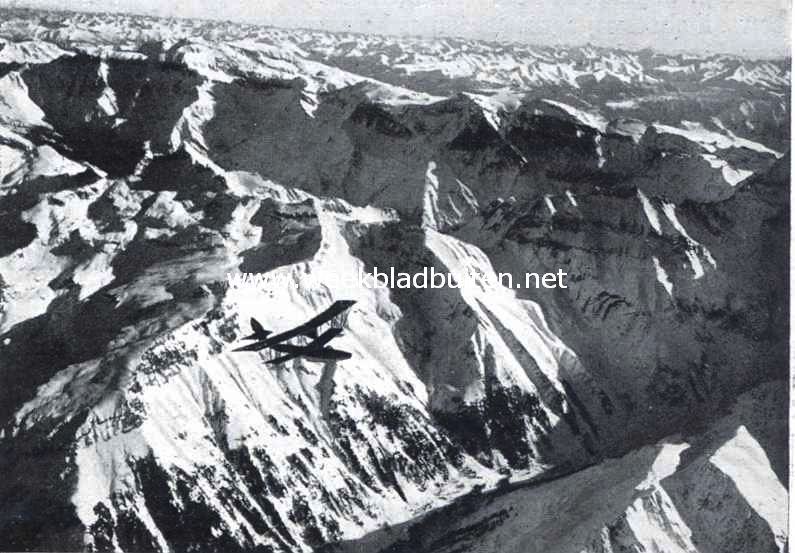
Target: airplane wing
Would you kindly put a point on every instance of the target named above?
(311, 325)
(256, 346)
(335, 309)
(311, 347)
(318, 342)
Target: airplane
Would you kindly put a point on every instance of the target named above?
(265, 339)
(314, 350)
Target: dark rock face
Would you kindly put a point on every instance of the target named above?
(606, 245)
(149, 99)
(144, 163)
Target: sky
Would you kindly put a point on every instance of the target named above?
(754, 28)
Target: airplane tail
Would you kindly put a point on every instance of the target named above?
(259, 331)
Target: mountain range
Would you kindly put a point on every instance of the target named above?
(144, 160)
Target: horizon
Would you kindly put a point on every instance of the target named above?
(763, 45)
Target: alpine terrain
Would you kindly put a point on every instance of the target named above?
(147, 164)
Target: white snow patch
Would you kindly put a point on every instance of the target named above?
(712, 141)
(651, 212)
(550, 205)
(657, 525)
(16, 107)
(599, 151)
(188, 129)
(49, 163)
(592, 120)
(730, 174)
(430, 202)
(107, 100)
(572, 199)
(468, 195)
(662, 277)
(664, 465)
(745, 462)
(622, 104)
(12, 162)
(694, 248)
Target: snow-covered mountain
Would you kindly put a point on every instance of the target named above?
(142, 161)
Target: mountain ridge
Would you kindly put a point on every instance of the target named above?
(120, 14)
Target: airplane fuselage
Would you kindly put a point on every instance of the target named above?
(312, 353)
(334, 356)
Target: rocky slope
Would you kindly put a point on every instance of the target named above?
(716, 491)
(143, 161)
